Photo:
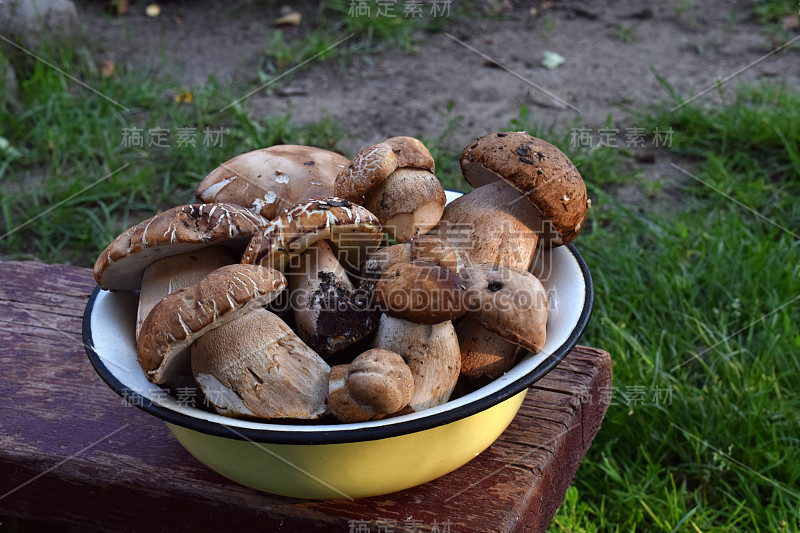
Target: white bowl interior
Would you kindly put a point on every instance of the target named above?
(113, 319)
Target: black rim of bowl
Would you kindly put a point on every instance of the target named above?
(329, 434)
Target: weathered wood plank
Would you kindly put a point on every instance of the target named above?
(72, 452)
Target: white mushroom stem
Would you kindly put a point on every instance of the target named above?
(492, 224)
(430, 351)
(256, 366)
(408, 202)
(173, 273)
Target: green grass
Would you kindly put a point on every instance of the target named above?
(701, 302)
(770, 11)
(626, 32)
(61, 140)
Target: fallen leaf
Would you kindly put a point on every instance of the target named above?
(185, 97)
(551, 60)
(291, 91)
(107, 68)
(533, 11)
(547, 5)
(153, 10)
(292, 18)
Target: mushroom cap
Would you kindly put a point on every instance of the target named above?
(269, 180)
(483, 353)
(178, 230)
(538, 170)
(374, 163)
(183, 316)
(433, 249)
(420, 292)
(380, 380)
(348, 226)
(173, 273)
(508, 301)
(257, 367)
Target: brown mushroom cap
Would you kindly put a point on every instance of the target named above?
(380, 380)
(510, 302)
(173, 273)
(376, 384)
(178, 230)
(183, 316)
(375, 163)
(420, 292)
(269, 180)
(429, 248)
(350, 228)
(341, 405)
(257, 367)
(538, 170)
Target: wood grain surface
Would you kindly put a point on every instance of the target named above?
(72, 452)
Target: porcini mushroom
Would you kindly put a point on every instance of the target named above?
(353, 231)
(490, 224)
(175, 249)
(376, 383)
(257, 367)
(394, 180)
(183, 316)
(170, 274)
(542, 173)
(430, 351)
(270, 180)
(527, 190)
(329, 313)
(429, 248)
(509, 302)
(420, 292)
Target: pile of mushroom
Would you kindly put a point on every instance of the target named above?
(308, 286)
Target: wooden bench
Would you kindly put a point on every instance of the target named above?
(73, 453)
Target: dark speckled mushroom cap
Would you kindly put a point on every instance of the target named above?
(538, 170)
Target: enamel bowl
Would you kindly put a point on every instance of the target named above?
(344, 460)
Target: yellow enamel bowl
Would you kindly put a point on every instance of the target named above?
(344, 460)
